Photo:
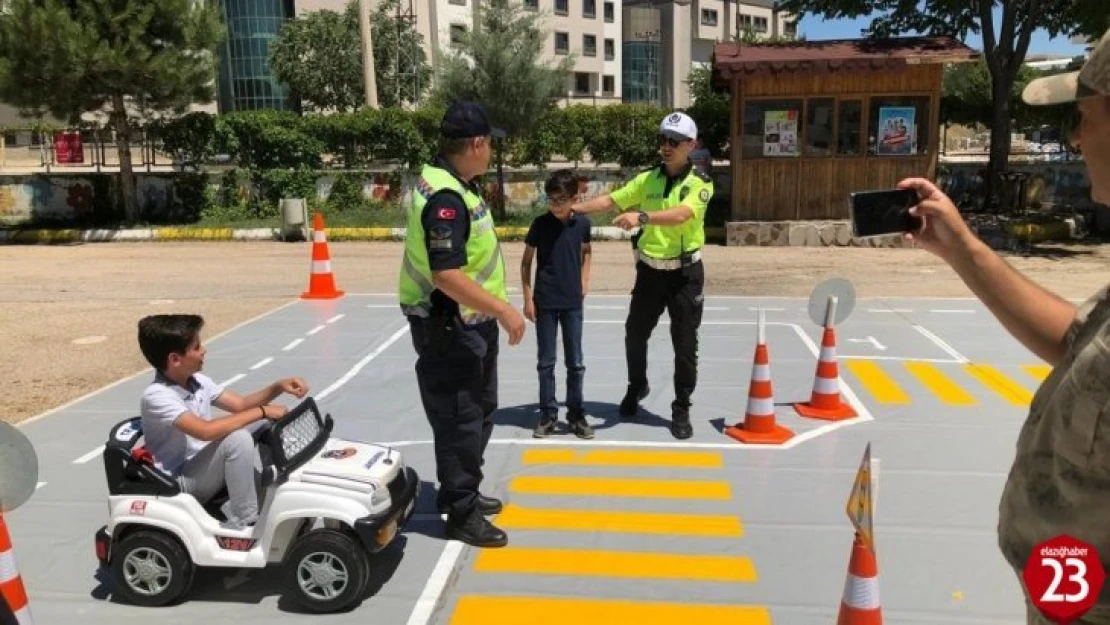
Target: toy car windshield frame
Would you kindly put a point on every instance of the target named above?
(298, 436)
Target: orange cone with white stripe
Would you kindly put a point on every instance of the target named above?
(759, 421)
(11, 584)
(825, 402)
(321, 282)
(860, 604)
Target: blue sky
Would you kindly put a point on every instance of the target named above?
(815, 28)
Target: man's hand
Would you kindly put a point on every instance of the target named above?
(294, 386)
(275, 411)
(513, 323)
(585, 287)
(530, 309)
(944, 232)
(628, 220)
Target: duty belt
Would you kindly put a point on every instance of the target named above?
(666, 263)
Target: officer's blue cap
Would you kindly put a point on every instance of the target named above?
(464, 120)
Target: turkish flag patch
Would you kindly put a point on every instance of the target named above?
(446, 213)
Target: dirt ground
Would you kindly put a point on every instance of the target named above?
(94, 294)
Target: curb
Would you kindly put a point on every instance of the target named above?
(40, 236)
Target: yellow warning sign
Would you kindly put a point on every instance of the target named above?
(860, 506)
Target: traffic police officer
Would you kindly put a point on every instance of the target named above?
(452, 289)
(672, 199)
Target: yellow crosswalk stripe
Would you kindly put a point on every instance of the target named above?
(1038, 371)
(940, 384)
(882, 386)
(615, 487)
(501, 610)
(568, 520)
(625, 458)
(998, 382)
(525, 560)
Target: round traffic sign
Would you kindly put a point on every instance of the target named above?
(19, 468)
(845, 295)
(1063, 577)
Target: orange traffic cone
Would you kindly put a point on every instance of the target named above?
(860, 604)
(759, 421)
(11, 584)
(824, 402)
(321, 282)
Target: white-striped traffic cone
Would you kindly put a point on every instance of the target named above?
(321, 282)
(860, 604)
(759, 421)
(825, 402)
(11, 584)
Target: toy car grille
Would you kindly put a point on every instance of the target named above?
(299, 434)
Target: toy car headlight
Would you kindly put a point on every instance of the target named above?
(380, 496)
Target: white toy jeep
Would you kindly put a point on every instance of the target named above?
(330, 504)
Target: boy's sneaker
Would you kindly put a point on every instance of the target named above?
(578, 426)
(545, 427)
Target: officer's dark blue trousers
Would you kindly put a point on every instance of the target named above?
(456, 368)
(680, 293)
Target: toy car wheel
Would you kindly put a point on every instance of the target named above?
(151, 568)
(327, 571)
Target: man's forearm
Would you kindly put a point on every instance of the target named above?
(1034, 316)
(263, 396)
(467, 292)
(671, 217)
(598, 204)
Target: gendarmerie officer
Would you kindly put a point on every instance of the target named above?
(452, 289)
(672, 199)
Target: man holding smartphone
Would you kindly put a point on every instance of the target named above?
(1060, 479)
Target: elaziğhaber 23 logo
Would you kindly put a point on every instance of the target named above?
(1064, 577)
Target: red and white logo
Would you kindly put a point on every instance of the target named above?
(1064, 577)
(446, 213)
(138, 507)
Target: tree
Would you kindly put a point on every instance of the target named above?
(499, 65)
(319, 56)
(127, 59)
(1003, 50)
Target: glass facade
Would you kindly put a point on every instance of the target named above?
(642, 61)
(245, 79)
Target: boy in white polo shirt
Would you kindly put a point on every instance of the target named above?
(201, 451)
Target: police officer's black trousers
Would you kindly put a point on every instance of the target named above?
(680, 292)
(456, 368)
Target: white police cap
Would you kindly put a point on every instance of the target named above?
(679, 125)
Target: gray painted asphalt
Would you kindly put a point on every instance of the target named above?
(942, 459)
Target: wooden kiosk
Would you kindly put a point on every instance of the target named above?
(814, 121)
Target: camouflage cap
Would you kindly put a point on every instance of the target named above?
(1093, 79)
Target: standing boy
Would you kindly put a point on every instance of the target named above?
(561, 241)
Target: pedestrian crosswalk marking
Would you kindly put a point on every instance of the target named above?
(994, 379)
(508, 610)
(619, 487)
(625, 458)
(1038, 371)
(881, 385)
(575, 520)
(524, 560)
(940, 384)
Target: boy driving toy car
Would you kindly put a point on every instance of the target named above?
(202, 452)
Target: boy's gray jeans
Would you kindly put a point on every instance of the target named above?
(235, 461)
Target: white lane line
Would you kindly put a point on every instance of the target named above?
(40, 485)
(889, 310)
(756, 308)
(941, 344)
(336, 318)
(262, 363)
(595, 307)
(292, 344)
(381, 305)
(233, 379)
(362, 363)
(950, 311)
(315, 330)
(437, 581)
(89, 456)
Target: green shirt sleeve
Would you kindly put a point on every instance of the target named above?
(698, 199)
(630, 194)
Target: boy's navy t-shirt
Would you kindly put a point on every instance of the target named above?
(559, 260)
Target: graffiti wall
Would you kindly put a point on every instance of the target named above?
(1047, 185)
(72, 198)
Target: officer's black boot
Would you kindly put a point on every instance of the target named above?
(631, 402)
(680, 421)
(486, 505)
(476, 530)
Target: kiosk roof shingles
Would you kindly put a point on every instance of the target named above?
(730, 59)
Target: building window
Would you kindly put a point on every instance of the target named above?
(457, 33)
(790, 28)
(818, 131)
(610, 50)
(589, 45)
(709, 17)
(607, 85)
(562, 43)
(849, 136)
(589, 8)
(609, 12)
(532, 5)
(562, 7)
(898, 126)
(760, 24)
(642, 71)
(771, 128)
(458, 2)
(581, 83)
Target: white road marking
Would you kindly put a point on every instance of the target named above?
(233, 379)
(941, 344)
(870, 339)
(40, 485)
(943, 361)
(890, 310)
(315, 330)
(381, 305)
(756, 308)
(89, 456)
(292, 344)
(944, 310)
(429, 597)
(262, 363)
(362, 363)
(336, 318)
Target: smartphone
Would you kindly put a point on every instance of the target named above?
(879, 213)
